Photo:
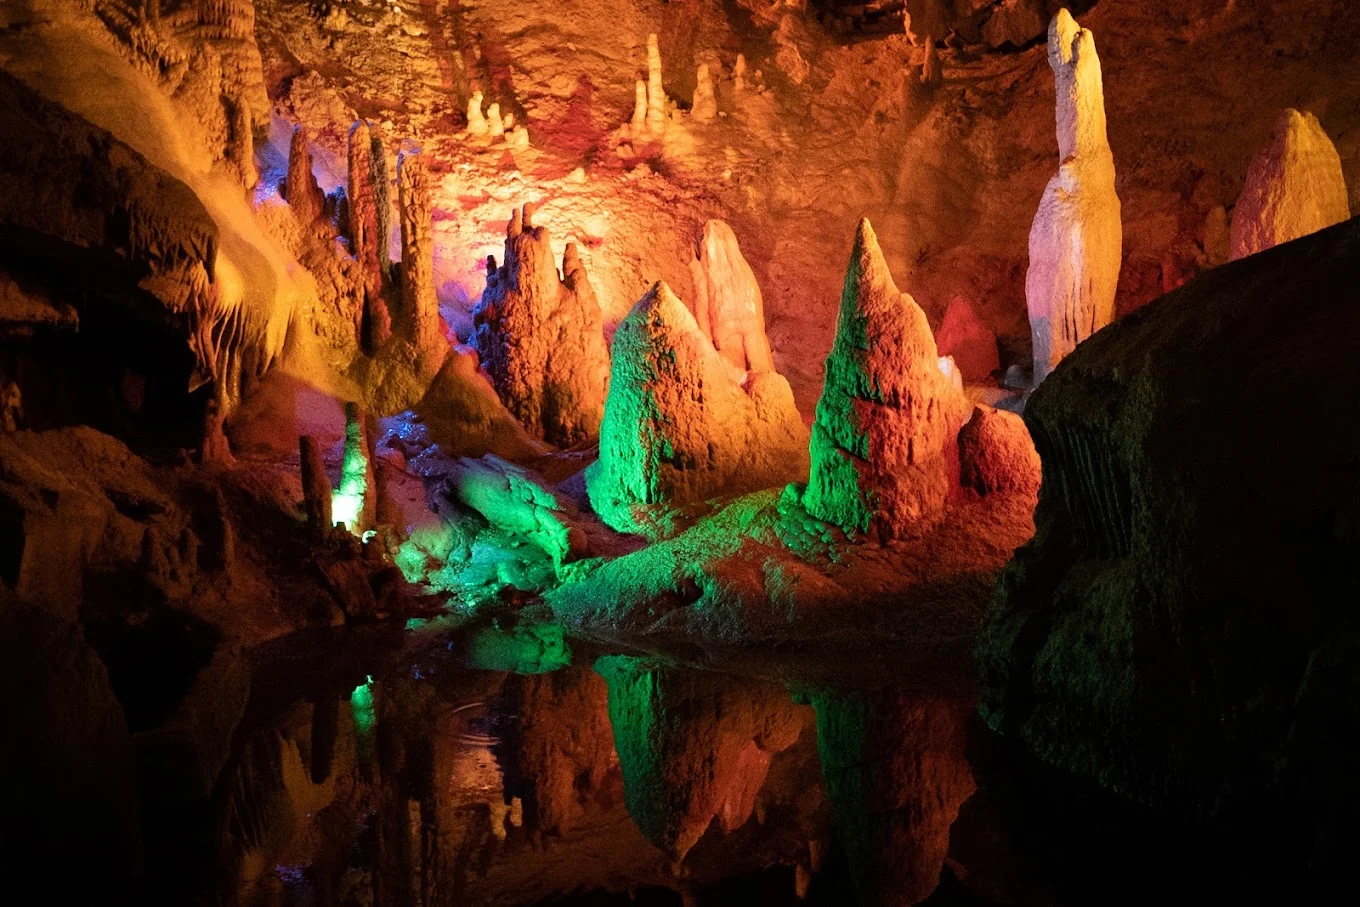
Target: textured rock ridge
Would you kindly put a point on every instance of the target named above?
(678, 427)
(1294, 187)
(883, 459)
(1165, 631)
(727, 300)
(1076, 242)
(541, 337)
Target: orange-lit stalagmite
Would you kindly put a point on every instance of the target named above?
(300, 188)
(727, 301)
(419, 306)
(364, 236)
(541, 337)
(883, 439)
(1294, 187)
(1076, 242)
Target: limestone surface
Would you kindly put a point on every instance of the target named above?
(1294, 187)
(541, 337)
(882, 447)
(1076, 241)
(678, 426)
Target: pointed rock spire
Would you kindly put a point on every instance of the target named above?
(679, 427)
(1294, 187)
(727, 300)
(541, 337)
(883, 455)
(656, 93)
(1076, 241)
(704, 106)
(300, 188)
(418, 301)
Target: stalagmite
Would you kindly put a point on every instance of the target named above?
(477, 124)
(382, 203)
(704, 106)
(316, 487)
(355, 501)
(996, 454)
(418, 302)
(541, 337)
(300, 188)
(679, 427)
(656, 93)
(1075, 244)
(884, 434)
(1294, 187)
(363, 209)
(727, 300)
(638, 126)
(495, 125)
(739, 74)
(364, 236)
(242, 145)
(930, 65)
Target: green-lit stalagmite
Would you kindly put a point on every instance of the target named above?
(883, 439)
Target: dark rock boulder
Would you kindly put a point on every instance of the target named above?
(1173, 626)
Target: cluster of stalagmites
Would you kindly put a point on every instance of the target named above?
(653, 110)
(361, 288)
(540, 335)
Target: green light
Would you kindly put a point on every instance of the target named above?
(365, 717)
(347, 504)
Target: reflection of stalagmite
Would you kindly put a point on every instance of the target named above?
(693, 746)
(1294, 187)
(300, 188)
(678, 426)
(705, 105)
(477, 124)
(557, 757)
(896, 773)
(1076, 241)
(656, 94)
(316, 487)
(418, 302)
(541, 337)
(727, 300)
(884, 434)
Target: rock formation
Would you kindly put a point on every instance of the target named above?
(694, 747)
(1294, 187)
(637, 127)
(558, 755)
(541, 337)
(656, 93)
(739, 74)
(883, 438)
(316, 488)
(968, 339)
(996, 454)
(300, 188)
(678, 426)
(512, 499)
(382, 203)
(704, 106)
(495, 125)
(477, 124)
(931, 74)
(418, 303)
(364, 237)
(1180, 629)
(896, 770)
(727, 300)
(355, 503)
(1075, 244)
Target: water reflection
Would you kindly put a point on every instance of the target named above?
(499, 767)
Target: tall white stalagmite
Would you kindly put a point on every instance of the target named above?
(1294, 187)
(639, 124)
(477, 124)
(656, 94)
(1076, 242)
